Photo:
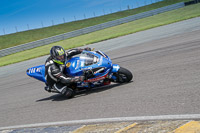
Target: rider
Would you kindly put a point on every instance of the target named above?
(54, 67)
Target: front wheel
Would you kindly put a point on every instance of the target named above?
(123, 75)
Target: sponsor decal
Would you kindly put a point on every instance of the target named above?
(97, 78)
(38, 69)
(77, 65)
(34, 70)
(116, 67)
(87, 68)
(68, 64)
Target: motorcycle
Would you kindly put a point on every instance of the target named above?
(96, 66)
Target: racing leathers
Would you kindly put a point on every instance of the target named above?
(55, 79)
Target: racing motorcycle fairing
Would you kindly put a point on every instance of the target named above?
(37, 72)
(94, 61)
(88, 60)
(115, 68)
(95, 66)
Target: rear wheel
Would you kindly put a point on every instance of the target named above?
(123, 75)
(69, 93)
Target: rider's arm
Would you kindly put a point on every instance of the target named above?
(73, 52)
(63, 78)
(55, 72)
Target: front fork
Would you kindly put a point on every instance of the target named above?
(112, 75)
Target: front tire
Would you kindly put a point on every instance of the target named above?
(123, 75)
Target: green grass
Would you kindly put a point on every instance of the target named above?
(124, 29)
(33, 35)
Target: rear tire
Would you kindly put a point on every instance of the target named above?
(69, 93)
(123, 75)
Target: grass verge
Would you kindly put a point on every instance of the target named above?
(37, 34)
(124, 29)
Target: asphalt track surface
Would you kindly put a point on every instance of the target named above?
(166, 72)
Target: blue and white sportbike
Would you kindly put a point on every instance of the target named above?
(96, 66)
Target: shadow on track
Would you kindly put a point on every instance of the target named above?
(59, 97)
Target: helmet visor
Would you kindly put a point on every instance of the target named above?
(61, 58)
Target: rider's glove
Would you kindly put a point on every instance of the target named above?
(81, 78)
(78, 79)
(47, 88)
(88, 49)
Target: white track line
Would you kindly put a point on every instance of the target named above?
(105, 120)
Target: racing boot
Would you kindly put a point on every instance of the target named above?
(60, 88)
(64, 90)
(47, 88)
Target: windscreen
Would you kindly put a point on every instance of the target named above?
(88, 59)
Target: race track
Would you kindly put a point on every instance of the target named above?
(166, 82)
